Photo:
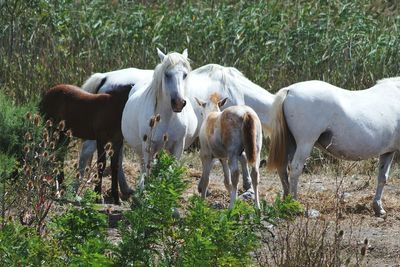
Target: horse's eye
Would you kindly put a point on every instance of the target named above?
(184, 75)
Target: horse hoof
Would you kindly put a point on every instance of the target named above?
(379, 211)
(249, 194)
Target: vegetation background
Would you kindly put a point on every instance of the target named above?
(349, 43)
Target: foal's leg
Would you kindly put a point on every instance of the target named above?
(62, 147)
(101, 164)
(207, 163)
(297, 165)
(385, 161)
(227, 174)
(234, 168)
(255, 179)
(245, 173)
(114, 170)
(87, 149)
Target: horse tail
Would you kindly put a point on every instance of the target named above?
(279, 132)
(94, 83)
(249, 133)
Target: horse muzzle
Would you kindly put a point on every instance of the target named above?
(178, 104)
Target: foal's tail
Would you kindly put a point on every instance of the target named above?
(279, 132)
(93, 84)
(249, 133)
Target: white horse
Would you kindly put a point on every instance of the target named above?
(352, 125)
(200, 83)
(165, 96)
(225, 135)
(104, 83)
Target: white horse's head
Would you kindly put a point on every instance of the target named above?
(213, 104)
(170, 75)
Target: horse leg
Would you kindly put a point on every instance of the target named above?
(297, 164)
(87, 149)
(207, 163)
(101, 164)
(123, 185)
(283, 170)
(255, 179)
(234, 168)
(227, 174)
(385, 161)
(62, 146)
(245, 172)
(115, 166)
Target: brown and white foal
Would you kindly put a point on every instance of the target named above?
(226, 135)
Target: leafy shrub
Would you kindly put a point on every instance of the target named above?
(218, 237)
(150, 227)
(23, 246)
(81, 234)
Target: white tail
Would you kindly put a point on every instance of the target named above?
(279, 132)
(91, 85)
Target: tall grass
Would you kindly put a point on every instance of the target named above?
(350, 43)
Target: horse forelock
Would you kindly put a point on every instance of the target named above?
(215, 98)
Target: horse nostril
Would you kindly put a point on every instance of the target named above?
(183, 103)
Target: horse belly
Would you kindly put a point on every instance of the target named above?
(352, 147)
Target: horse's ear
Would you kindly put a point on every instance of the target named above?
(201, 103)
(161, 55)
(222, 102)
(185, 53)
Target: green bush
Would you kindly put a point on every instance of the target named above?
(23, 246)
(81, 234)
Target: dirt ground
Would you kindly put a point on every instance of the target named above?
(343, 199)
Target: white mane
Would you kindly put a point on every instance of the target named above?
(170, 60)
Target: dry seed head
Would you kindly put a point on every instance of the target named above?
(108, 146)
(158, 117)
(49, 124)
(45, 154)
(26, 149)
(110, 153)
(36, 119)
(69, 133)
(28, 136)
(45, 134)
(75, 165)
(30, 185)
(78, 175)
(28, 116)
(364, 247)
(152, 122)
(148, 166)
(87, 169)
(145, 138)
(52, 145)
(165, 138)
(100, 165)
(61, 125)
(53, 157)
(340, 234)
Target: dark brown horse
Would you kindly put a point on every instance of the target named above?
(90, 116)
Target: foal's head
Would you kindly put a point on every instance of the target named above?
(213, 104)
(171, 74)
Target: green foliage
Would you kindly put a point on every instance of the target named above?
(13, 126)
(81, 234)
(350, 43)
(22, 246)
(286, 209)
(151, 222)
(218, 237)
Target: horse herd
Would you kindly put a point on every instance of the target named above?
(186, 104)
